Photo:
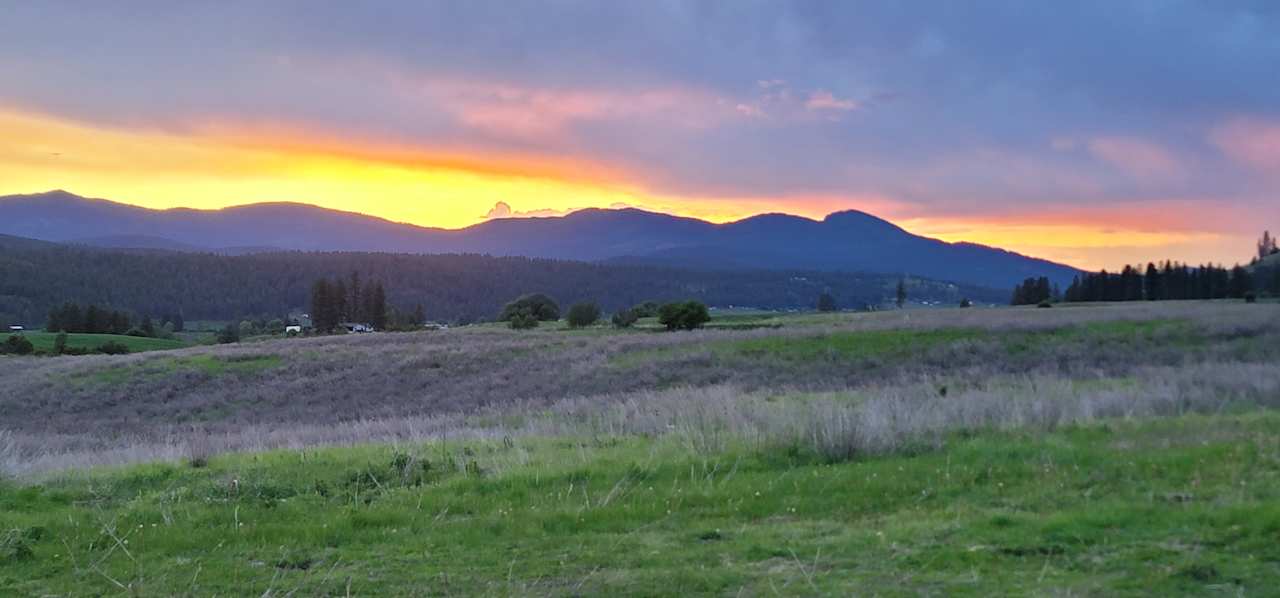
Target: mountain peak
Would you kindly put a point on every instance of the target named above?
(52, 195)
(858, 219)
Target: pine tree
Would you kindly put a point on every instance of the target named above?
(377, 306)
(147, 327)
(54, 322)
(119, 322)
(92, 320)
(1151, 283)
(1266, 245)
(356, 300)
(322, 305)
(1241, 283)
(826, 302)
(338, 299)
(902, 293)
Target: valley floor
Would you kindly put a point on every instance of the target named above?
(1101, 450)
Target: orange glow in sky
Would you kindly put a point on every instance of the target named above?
(220, 165)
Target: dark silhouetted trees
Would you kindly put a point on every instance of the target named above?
(16, 344)
(583, 314)
(826, 302)
(688, 315)
(334, 302)
(1032, 291)
(1267, 245)
(537, 305)
(625, 318)
(69, 317)
(1170, 281)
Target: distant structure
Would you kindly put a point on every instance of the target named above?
(356, 327)
(16, 328)
(300, 319)
(293, 329)
(435, 326)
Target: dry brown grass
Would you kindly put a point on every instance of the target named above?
(101, 410)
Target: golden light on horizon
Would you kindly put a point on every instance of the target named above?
(220, 165)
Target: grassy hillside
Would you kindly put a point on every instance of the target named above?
(43, 341)
(35, 277)
(314, 390)
(1182, 506)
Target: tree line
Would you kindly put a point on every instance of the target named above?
(527, 311)
(1034, 291)
(92, 319)
(1166, 282)
(36, 277)
(336, 301)
(1160, 282)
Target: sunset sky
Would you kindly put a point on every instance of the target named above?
(1094, 133)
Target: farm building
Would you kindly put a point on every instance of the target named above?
(356, 327)
(16, 328)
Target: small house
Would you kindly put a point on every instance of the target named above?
(293, 329)
(16, 328)
(356, 327)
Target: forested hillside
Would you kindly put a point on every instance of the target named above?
(36, 276)
(848, 241)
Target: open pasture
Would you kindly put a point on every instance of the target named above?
(44, 342)
(1121, 449)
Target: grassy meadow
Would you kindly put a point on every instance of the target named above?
(43, 342)
(1110, 450)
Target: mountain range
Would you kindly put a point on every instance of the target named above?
(850, 241)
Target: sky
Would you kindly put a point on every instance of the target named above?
(1092, 133)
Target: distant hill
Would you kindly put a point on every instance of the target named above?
(38, 275)
(844, 241)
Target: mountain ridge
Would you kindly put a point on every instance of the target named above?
(849, 240)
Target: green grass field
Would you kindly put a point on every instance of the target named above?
(1178, 506)
(43, 342)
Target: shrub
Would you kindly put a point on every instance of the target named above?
(60, 343)
(538, 305)
(683, 316)
(648, 309)
(523, 320)
(113, 348)
(230, 334)
(1251, 297)
(966, 302)
(625, 318)
(17, 344)
(583, 314)
(1044, 303)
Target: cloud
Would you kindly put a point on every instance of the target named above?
(1141, 159)
(822, 99)
(503, 210)
(1252, 142)
(681, 102)
(508, 109)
